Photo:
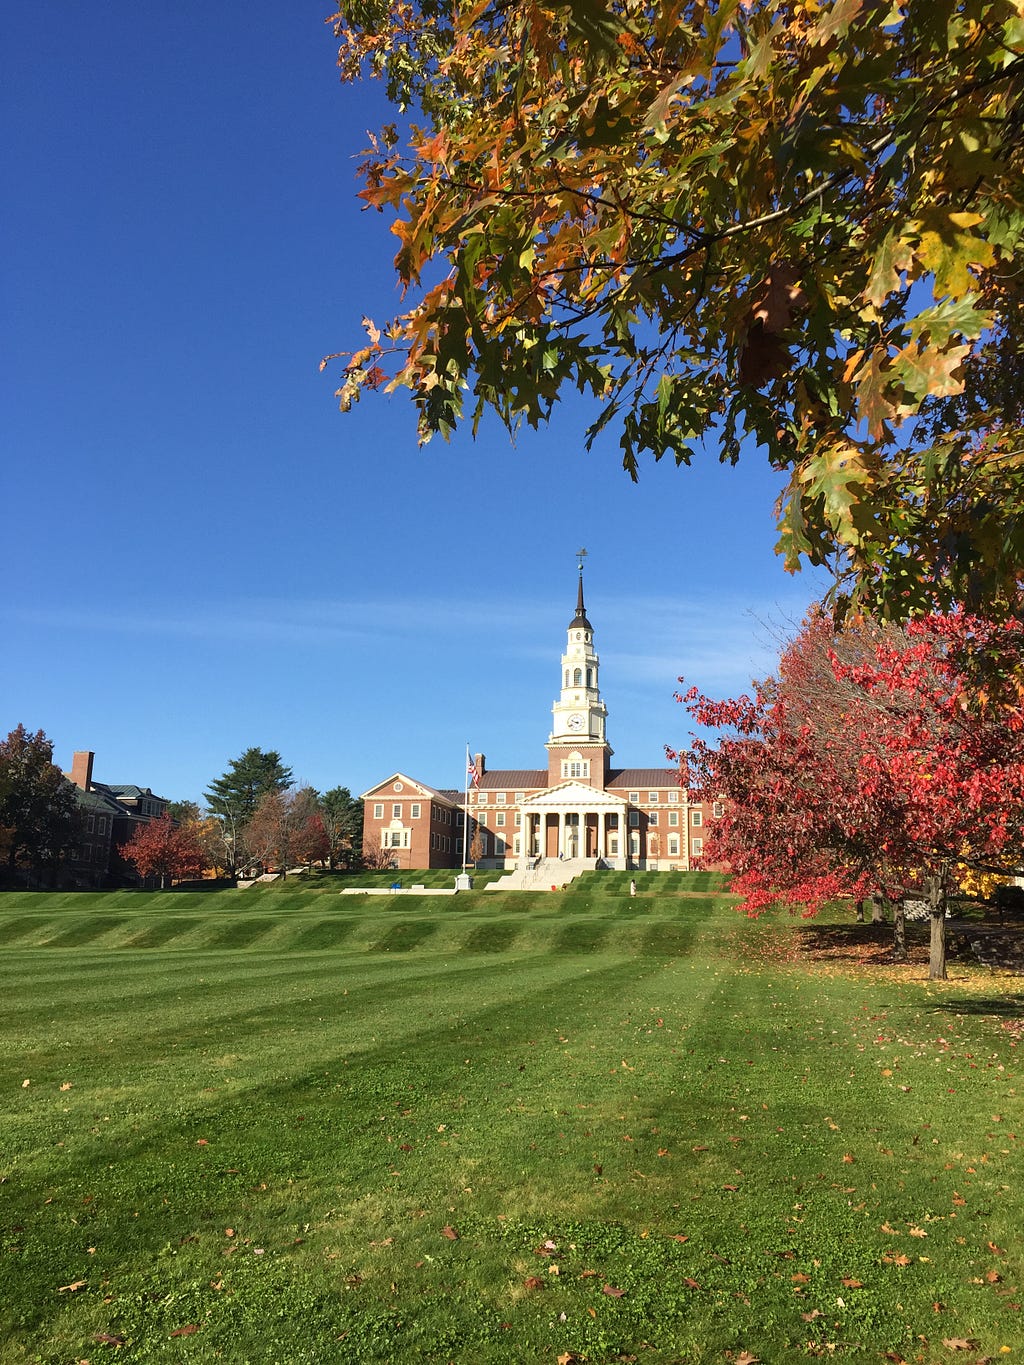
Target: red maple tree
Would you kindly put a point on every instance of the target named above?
(876, 761)
(162, 848)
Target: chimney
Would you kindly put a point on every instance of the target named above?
(81, 769)
(480, 763)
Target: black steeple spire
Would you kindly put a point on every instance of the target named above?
(580, 619)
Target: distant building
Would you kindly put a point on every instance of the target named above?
(111, 813)
(577, 807)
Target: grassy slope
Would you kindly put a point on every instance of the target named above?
(278, 1105)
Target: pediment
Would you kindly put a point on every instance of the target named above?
(386, 790)
(572, 794)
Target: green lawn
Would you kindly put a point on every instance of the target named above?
(285, 1125)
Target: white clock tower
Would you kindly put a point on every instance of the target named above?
(577, 746)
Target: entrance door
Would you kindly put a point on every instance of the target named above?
(550, 836)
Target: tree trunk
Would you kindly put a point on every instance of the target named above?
(877, 909)
(899, 931)
(860, 912)
(936, 891)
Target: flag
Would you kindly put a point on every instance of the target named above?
(471, 773)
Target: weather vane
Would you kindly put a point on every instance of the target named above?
(581, 555)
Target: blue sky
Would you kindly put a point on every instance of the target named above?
(199, 552)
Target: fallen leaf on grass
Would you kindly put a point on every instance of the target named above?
(449, 1232)
(690, 1284)
(188, 1330)
(587, 1274)
(889, 1259)
(680, 1237)
(958, 1344)
(533, 1282)
(202, 1142)
(72, 1288)
(612, 1292)
(918, 1232)
(108, 1339)
(809, 1317)
(800, 1278)
(850, 1283)
(993, 1276)
(747, 1358)
(66, 1085)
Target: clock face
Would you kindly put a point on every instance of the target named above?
(575, 721)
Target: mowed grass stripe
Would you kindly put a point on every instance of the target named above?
(419, 924)
(337, 1109)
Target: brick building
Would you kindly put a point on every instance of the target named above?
(111, 813)
(577, 807)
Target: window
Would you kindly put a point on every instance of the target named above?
(518, 820)
(634, 797)
(613, 847)
(378, 811)
(483, 819)
(576, 768)
(90, 823)
(652, 798)
(696, 818)
(516, 846)
(717, 809)
(101, 825)
(520, 798)
(481, 798)
(458, 845)
(577, 678)
(673, 818)
(634, 845)
(673, 796)
(396, 811)
(590, 677)
(652, 819)
(414, 811)
(634, 818)
(499, 819)
(499, 798)
(673, 845)
(696, 847)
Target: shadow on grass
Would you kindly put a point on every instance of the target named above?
(859, 942)
(1005, 1007)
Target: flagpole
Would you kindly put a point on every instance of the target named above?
(465, 815)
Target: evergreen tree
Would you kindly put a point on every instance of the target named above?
(248, 779)
(234, 796)
(342, 815)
